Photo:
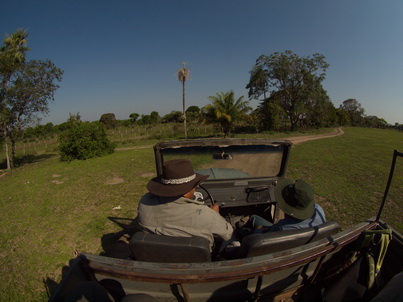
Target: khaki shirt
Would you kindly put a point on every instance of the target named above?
(181, 217)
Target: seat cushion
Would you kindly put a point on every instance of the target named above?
(265, 243)
(166, 249)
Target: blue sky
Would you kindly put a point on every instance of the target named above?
(122, 56)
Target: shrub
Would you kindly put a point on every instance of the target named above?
(84, 140)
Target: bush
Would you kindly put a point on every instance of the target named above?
(84, 140)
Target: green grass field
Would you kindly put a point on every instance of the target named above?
(50, 210)
(350, 173)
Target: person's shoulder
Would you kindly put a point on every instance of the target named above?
(319, 209)
(149, 198)
(318, 206)
(320, 216)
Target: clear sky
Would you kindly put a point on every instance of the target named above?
(122, 56)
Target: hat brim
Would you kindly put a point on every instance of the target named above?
(156, 187)
(280, 193)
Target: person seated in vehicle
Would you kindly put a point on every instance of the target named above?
(296, 200)
(170, 207)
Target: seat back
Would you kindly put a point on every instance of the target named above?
(168, 249)
(270, 242)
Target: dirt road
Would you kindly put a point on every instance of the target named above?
(267, 163)
(301, 139)
(295, 139)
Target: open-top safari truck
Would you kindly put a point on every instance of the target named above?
(319, 263)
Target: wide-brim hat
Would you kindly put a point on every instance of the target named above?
(296, 199)
(178, 178)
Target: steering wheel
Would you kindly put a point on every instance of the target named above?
(209, 196)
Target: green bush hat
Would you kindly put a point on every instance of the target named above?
(296, 199)
(178, 178)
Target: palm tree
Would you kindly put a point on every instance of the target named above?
(183, 76)
(12, 57)
(225, 110)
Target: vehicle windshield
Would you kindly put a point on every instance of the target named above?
(231, 162)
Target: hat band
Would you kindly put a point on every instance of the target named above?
(178, 181)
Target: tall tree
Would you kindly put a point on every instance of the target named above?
(193, 113)
(134, 117)
(225, 110)
(12, 58)
(26, 89)
(319, 110)
(354, 110)
(173, 117)
(183, 76)
(109, 120)
(155, 117)
(342, 117)
(271, 115)
(294, 80)
(33, 87)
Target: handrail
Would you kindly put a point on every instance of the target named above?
(392, 170)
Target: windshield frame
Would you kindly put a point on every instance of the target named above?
(285, 145)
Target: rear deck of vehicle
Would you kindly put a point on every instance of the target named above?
(290, 273)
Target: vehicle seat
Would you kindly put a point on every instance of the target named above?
(168, 249)
(266, 243)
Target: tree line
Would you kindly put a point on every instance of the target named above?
(288, 87)
(291, 97)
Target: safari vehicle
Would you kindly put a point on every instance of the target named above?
(313, 264)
